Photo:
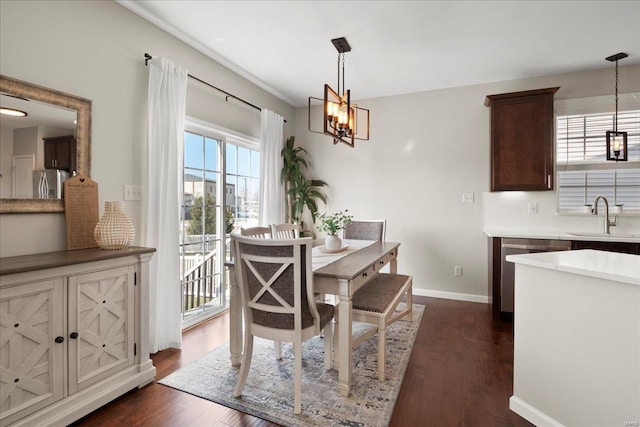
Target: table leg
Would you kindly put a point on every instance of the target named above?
(345, 365)
(235, 319)
(393, 266)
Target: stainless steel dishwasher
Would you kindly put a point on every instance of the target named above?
(521, 246)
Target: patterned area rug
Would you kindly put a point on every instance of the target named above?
(268, 393)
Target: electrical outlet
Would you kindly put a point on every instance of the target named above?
(457, 271)
(132, 192)
(533, 208)
(467, 197)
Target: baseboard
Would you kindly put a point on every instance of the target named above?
(451, 295)
(531, 414)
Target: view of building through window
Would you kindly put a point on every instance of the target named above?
(221, 195)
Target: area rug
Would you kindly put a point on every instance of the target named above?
(268, 393)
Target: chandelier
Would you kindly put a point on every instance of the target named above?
(342, 120)
(616, 141)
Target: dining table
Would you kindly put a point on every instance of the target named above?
(339, 273)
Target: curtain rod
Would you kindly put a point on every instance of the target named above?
(147, 57)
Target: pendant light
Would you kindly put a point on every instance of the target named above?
(342, 120)
(616, 141)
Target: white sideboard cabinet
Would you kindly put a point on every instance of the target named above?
(73, 333)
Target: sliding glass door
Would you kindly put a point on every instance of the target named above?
(221, 188)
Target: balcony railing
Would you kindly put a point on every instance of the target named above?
(200, 284)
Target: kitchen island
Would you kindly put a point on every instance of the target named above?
(577, 338)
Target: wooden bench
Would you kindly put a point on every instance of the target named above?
(376, 303)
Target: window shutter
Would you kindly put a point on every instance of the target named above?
(584, 172)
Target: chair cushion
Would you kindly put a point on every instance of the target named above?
(326, 312)
(379, 292)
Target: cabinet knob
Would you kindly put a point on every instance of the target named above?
(59, 340)
(364, 274)
(73, 335)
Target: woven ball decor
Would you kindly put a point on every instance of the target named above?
(114, 230)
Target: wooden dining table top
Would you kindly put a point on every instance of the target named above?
(354, 264)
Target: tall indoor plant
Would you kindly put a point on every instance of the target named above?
(301, 191)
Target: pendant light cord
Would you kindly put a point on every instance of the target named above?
(615, 124)
(341, 55)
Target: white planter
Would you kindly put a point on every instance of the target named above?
(114, 230)
(333, 242)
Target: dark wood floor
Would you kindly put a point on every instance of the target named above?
(459, 374)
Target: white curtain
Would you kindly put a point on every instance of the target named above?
(272, 195)
(166, 110)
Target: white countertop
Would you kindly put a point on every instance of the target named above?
(627, 237)
(605, 265)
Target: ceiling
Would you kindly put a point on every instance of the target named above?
(398, 46)
(38, 114)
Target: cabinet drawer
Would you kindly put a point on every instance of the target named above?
(365, 276)
(386, 259)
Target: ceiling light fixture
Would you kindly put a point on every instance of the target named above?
(12, 112)
(343, 121)
(616, 141)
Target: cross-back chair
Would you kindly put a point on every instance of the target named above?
(276, 288)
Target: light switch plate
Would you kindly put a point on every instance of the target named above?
(467, 198)
(132, 192)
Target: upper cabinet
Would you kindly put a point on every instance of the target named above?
(60, 153)
(522, 140)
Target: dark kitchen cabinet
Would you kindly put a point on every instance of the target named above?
(496, 264)
(622, 247)
(60, 153)
(522, 138)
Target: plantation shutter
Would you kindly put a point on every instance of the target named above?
(584, 172)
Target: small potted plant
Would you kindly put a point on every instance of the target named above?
(331, 224)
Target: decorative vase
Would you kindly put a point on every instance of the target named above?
(333, 242)
(114, 230)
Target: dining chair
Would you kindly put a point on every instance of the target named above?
(285, 231)
(276, 288)
(256, 232)
(377, 303)
(263, 233)
(365, 230)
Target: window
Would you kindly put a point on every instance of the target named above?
(584, 172)
(220, 176)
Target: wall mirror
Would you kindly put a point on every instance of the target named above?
(54, 117)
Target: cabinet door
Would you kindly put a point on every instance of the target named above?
(101, 325)
(60, 153)
(31, 361)
(50, 154)
(522, 143)
(63, 154)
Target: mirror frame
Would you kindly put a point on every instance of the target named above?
(82, 107)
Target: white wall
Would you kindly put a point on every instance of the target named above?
(94, 49)
(426, 149)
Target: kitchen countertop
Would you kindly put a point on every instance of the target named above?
(586, 262)
(627, 237)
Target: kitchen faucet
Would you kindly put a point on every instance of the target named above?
(594, 211)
